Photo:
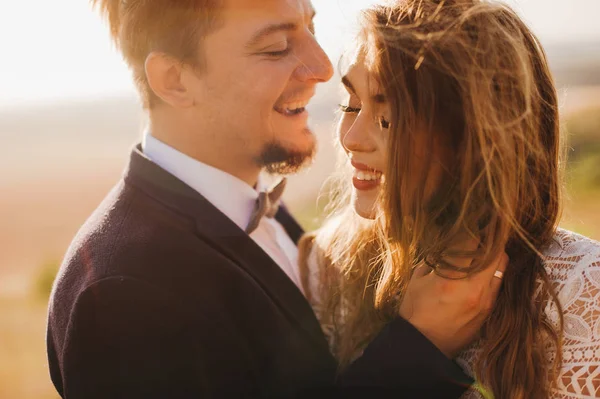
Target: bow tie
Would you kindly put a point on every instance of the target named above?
(267, 205)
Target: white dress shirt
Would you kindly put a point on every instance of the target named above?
(232, 196)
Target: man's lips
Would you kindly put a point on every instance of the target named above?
(292, 108)
(289, 111)
(294, 104)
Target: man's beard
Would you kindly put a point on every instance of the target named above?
(276, 159)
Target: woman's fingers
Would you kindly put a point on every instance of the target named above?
(421, 270)
(497, 272)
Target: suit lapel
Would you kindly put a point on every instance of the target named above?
(226, 237)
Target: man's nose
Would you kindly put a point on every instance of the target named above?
(315, 65)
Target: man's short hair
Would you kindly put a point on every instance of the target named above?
(175, 27)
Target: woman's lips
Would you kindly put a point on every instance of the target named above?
(361, 166)
(365, 185)
(365, 178)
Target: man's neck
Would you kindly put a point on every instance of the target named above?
(177, 138)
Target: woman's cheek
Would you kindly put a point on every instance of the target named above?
(344, 126)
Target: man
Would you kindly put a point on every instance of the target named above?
(175, 287)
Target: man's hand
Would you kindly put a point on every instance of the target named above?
(448, 312)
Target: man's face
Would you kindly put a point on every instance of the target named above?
(262, 66)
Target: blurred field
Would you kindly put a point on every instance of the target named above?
(57, 163)
(23, 373)
(582, 210)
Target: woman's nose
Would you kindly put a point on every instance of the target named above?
(357, 139)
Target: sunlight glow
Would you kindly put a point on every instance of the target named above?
(61, 49)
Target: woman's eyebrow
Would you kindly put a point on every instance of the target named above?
(379, 99)
(348, 84)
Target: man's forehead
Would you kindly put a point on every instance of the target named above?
(281, 8)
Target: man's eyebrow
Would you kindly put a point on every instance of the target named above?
(269, 30)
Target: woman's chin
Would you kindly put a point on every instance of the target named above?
(364, 209)
(365, 203)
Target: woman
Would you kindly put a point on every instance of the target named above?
(451, 126)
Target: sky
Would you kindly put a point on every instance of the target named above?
(53, 50)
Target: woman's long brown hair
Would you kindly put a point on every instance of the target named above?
(471, 75)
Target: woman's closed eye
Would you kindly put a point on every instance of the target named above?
(383, 123)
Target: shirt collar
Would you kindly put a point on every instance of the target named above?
(232, 196)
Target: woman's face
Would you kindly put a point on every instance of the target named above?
(363, 132)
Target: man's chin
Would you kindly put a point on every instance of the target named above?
(282, 158)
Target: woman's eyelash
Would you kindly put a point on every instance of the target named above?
(351, 110)
(348, 109)
(383, 123)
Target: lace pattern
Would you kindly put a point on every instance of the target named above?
(573, 266)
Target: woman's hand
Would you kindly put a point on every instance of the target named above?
(450, 312)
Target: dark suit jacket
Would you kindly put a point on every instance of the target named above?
(162, 296)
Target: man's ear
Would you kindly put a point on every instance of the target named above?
(165, 77)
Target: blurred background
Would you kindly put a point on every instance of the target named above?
(69, 116)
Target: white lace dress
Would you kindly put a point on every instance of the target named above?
(573, 265)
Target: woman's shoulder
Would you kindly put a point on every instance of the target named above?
(308, 264)
(571, 256)
(566, 241)
(311, 262)
(573, 266)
